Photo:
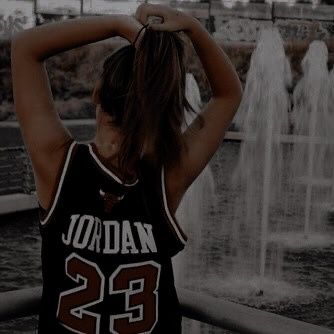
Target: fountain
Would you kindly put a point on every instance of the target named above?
(251, 245)
(262, 117)
(311, 118)
(255, 255)
(255, 227)
(331, 110)
(313, 150)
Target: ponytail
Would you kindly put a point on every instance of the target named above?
(154, 110)
(144, 92)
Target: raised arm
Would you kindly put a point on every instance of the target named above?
(217, 114)
(219, 111)
(44, 135)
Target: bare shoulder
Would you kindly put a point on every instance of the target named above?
(48, 171)
(202, 139)
(45, 137)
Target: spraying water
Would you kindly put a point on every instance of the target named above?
(262, 118)
(192, 212)
(331, 112)
(312, 160)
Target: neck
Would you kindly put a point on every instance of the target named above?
(108, 140)
(108, 145)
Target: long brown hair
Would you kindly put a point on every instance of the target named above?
(143, 90)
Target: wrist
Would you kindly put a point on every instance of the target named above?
(119, 24)
(126, 27)
(197, 33)
(192, 26)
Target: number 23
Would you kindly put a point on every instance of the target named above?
(72, 304)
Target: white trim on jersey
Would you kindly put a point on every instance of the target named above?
(55, 200)
(109, 172)
(170, 217)
(129, 292)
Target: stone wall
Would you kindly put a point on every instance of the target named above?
(16, 175)
(296, 23)
(235, 26)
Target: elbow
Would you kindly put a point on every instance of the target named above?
(17, 48)
(17, 41)
(229, 102)
(21, 47)
(237, 93)
(236, 101)
(233, 93)
(238, 96)
(14, 50)
(13, 45)
(234, 97)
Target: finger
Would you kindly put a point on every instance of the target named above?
(155, 26)
(147, 10)
(142, 13)
(139, 12)
(158, 26)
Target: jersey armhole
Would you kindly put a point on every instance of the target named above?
(45, 215)
(174, 225)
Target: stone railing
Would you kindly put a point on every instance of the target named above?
(16, 175)
(217, 312)
(236, 21)
(299, 22)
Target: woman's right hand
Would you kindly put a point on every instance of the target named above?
(172, 19)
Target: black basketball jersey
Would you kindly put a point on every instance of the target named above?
(106, 251)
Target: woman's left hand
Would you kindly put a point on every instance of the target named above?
(172, 19)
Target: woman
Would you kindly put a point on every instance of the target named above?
(107, 208)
